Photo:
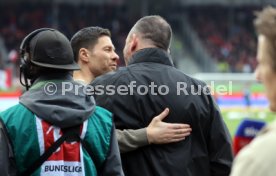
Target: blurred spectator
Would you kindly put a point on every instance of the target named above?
(226, 32)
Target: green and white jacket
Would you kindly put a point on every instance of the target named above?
(36, 123)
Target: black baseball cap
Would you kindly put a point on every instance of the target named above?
(51, 49)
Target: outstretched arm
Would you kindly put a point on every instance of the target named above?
(157, 132)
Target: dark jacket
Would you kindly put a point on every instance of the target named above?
(207, 151)
(64, 108)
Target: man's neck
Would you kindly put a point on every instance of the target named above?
(83, 75)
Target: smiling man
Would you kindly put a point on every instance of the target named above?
(94, 52)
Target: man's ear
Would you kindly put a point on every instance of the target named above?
(134, 42)
(83, 55)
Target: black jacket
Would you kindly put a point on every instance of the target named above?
(207, 151)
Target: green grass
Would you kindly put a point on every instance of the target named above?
(234, 116)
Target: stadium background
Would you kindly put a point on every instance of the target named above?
(214, 40)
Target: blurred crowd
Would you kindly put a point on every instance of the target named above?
(228, 35)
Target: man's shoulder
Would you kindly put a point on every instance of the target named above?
(258, 152)
(16, 114)
(18, 108)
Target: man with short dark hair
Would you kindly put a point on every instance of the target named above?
(94, 52)
(207, 151)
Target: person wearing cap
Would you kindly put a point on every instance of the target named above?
(95, 53)
(52, 131)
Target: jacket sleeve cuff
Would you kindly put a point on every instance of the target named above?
(130, 140)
